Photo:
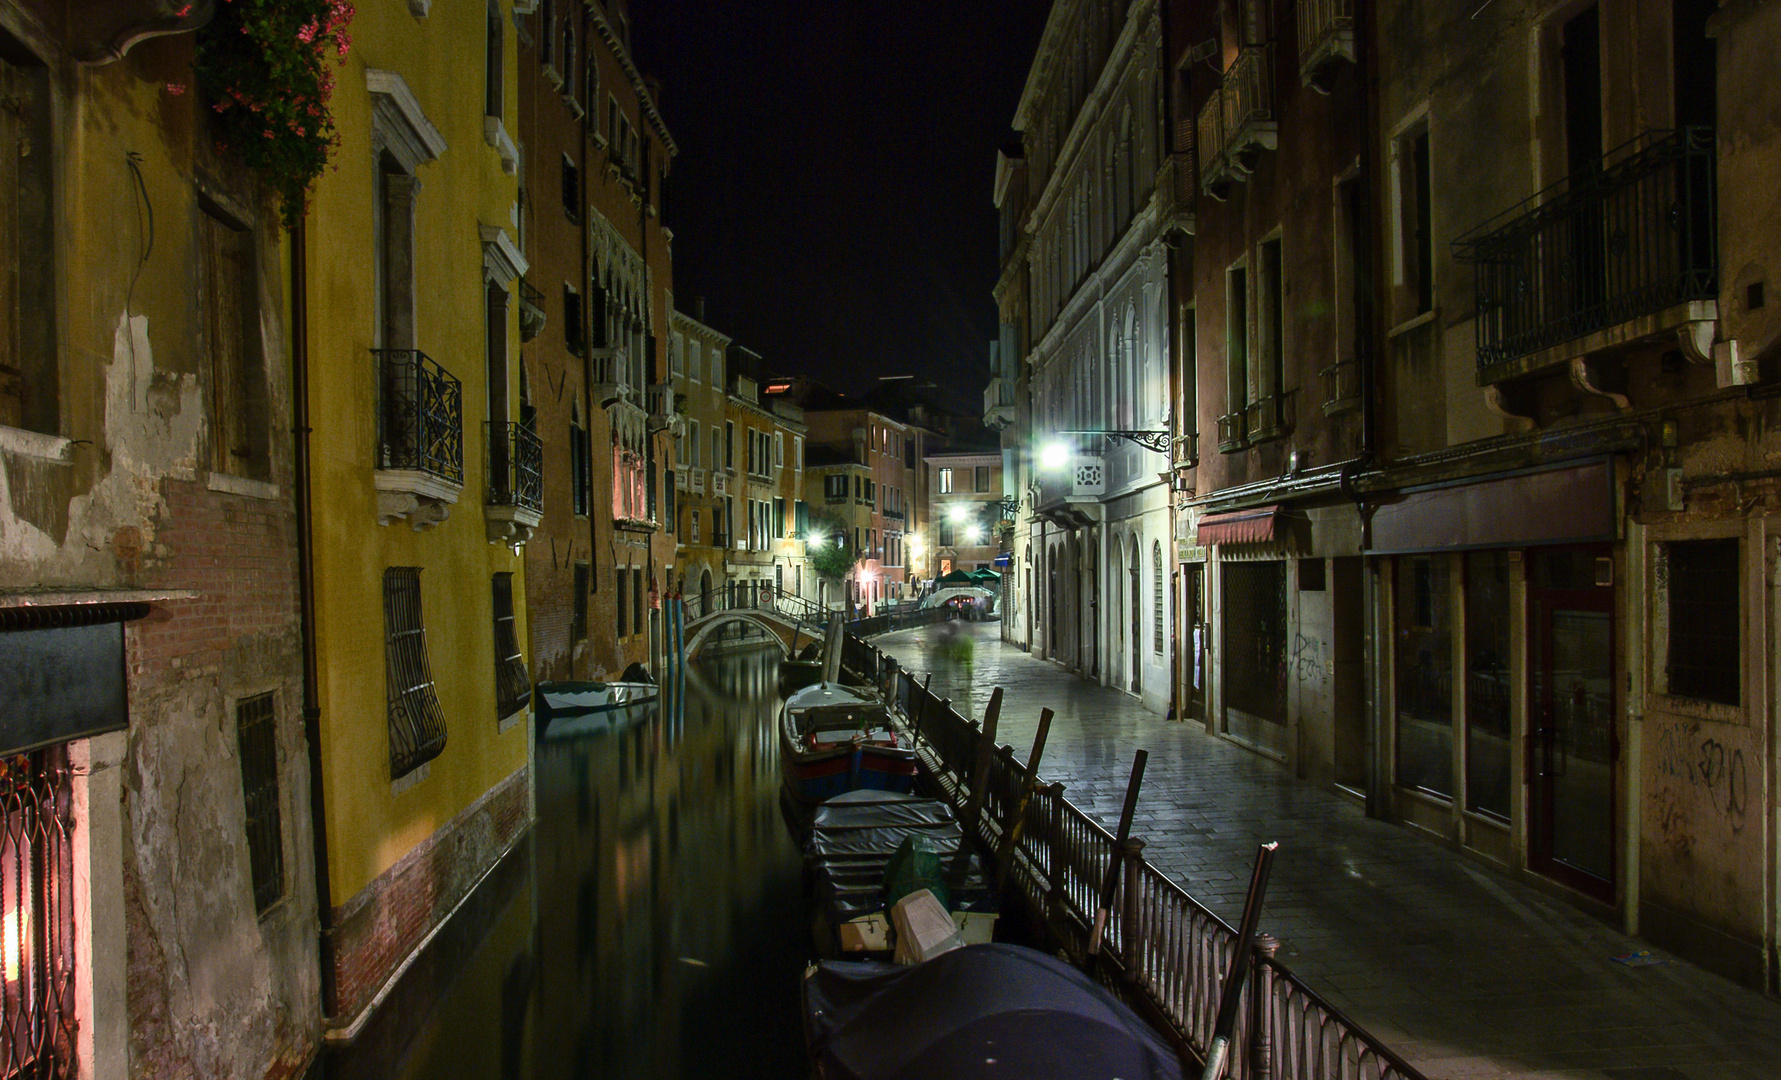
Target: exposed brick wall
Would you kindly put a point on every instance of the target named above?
(189, 904)
(377, 930)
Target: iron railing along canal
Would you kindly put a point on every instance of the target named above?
(1166, 953)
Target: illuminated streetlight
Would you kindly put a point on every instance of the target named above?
(958, 512)
(974, 534)
(1054, 456)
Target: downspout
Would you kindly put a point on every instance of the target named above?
(312, 711)
(1373, 656)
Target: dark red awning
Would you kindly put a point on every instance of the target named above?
(1252, 526)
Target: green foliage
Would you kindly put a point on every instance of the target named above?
(827, 558)
(267, 68)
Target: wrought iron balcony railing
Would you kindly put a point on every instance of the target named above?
(1599, 249)
(1237, 122)
(1232, 432)
(1326, 35)
(420, 418)
(515, 466)
(1186, 453)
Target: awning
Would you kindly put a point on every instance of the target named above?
(1252, 526)
(1569, 505)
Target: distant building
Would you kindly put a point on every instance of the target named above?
(697, 365)
(966, 505)
(1091, 335)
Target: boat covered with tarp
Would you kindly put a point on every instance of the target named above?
(866, 850)
(571, 708)
(979, 1011)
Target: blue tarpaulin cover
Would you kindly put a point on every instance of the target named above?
(981, 1012)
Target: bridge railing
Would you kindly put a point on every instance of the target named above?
(1164, 951)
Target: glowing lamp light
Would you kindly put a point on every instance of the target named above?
(974, 534)
(14, 927)
(959, 512)
(1054, 456)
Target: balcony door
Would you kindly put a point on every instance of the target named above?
(1572, 746)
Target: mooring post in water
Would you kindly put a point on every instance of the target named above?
(1111, 881)
(1241, 959)
(1017, 816)
(986, 750)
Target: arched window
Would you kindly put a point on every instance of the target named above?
(545, 20)
(1156, 569)
(568, 68)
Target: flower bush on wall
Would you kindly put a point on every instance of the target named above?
(267, 68)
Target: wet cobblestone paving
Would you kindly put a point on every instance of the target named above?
(1462, 970)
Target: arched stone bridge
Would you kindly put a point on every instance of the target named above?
(787, 629)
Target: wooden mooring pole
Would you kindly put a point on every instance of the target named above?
(1017, 816)
(1111, 881)
(986, 750)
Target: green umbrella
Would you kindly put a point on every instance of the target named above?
(957, 577)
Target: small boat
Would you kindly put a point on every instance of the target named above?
(835, 739)
(978, 1011)
(576, 708)
(868, 849)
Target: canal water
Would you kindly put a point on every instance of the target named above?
(651, 925)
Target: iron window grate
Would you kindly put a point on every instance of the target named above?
(417, 724)
(256, 733)
(513, 687)
(1704, 659)
(37, 1006)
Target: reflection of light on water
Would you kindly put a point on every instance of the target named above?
(630, 868)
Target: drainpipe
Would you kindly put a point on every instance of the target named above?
(312, 711)
(1372, 162)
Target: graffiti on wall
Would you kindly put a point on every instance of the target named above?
(1697, 776)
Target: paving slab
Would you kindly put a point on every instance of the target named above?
(1482, 976)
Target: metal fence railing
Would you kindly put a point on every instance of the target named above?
(1604, 247)
(1164, 952)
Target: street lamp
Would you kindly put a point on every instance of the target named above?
(1054, 455)
(958, 512)
(974, 534)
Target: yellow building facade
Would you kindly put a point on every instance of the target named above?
(425, 485)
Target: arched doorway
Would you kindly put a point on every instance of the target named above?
(705, 591)
(1091, 578)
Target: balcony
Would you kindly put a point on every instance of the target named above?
(1237, 123)
(420, 438)
(609, 375)
(514, 504)
(998, 403)
(1326, 38)
(531, 311)
(1341, 386)
(1186, 453)
(1233, 432)
(696, 481)
(663, 408)
(720, 484)
(1626, 252)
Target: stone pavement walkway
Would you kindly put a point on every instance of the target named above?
(1464, 972)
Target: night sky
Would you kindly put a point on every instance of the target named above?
(832, 196)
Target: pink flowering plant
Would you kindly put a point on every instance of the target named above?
(267, 68)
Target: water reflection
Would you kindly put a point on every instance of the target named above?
(651, 926)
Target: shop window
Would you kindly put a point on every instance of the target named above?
(1156, 600)
(256, 737)
(1488, 786)
(1424, 675)
(416, 721)
(1702, 641)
